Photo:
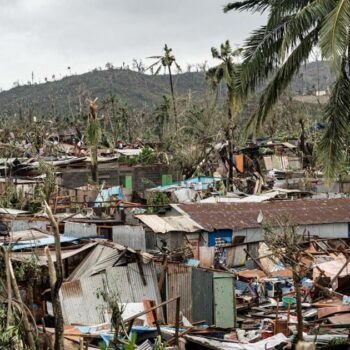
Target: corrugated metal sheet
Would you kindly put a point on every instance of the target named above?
(130, 236)
(128, 282)
(166, 224)
(79, 297)
(236, 256)
(80, 303)
(206, 256)
(100, 259)
(213, 216)
(22, 225)
(41, 256)
(40, 242)
(202, 296)
(179, 283)
(79, 230)
(119, 283)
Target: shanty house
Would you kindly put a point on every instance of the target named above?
(176, 231)
(320, 217)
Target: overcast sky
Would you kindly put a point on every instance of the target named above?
(46, 36)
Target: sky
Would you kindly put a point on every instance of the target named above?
(47, 36)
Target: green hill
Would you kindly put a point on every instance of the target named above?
(68, 95)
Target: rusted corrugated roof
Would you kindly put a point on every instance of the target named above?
(244, 215)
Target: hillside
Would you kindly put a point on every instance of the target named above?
(64, 96)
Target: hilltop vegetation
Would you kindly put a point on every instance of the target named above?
(67, 96)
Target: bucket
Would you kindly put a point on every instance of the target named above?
(287, 300)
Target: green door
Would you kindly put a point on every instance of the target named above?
(167, 180)
(126, 181)
(224, 300)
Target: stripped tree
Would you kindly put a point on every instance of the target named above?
(56, 280)
(93, 137)
(284, 242)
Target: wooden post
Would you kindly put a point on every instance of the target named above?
(163, 274)
(177, 322)
(81, 343)
(154, 313)
(288, 314)
(277, 315)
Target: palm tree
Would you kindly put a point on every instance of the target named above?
(276, 51)
(161, 118)
(228, 71)
(166, 61)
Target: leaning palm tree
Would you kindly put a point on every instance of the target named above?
(227, 71)
(276, 51)
(166, 61)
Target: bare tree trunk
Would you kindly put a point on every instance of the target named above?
(296, 281)
(56, 279)
(26, 323)
(230, 146)
(173, 98)
(9, 288)
(94, 164)
(230, 163)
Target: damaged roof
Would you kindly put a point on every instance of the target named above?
(166, 224)
(212, 216)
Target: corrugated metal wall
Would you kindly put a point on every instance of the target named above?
(80, 303)
(23, 225)
(79, 230)
(202, 296)
(130, 236)
(79, 297)
(126, 280)
(179, 283)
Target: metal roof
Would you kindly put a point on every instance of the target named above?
(41, 256)
(41, 242)
(164, 224)
(213, 216)
(103, 256)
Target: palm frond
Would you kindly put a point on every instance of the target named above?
(248, 5)
(157, 70)
(331, 149)
(283, 76)
(261, 56)
(334, 35)
(304, 21)
(153, 64)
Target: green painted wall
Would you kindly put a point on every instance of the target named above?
(224, 300)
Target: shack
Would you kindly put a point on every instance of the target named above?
(229, 221)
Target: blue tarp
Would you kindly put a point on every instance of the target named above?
(226, 235)
(105, 194)
(41, 242)
(204, 180)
